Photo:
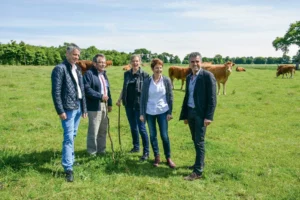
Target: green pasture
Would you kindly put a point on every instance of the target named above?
(252, 147)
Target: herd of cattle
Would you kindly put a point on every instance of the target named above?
(221, 72)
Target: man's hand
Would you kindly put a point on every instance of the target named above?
(118, 103)
(142, 118)
(84, 115)
(207, 122)
(185, 121)
(109, 108)
(63, 116)
(105, 98)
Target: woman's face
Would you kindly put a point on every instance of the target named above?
(157, 70)
(135, 63)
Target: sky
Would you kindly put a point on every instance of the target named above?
(233, 28)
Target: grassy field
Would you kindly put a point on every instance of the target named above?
(252, 145)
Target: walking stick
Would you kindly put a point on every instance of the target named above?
(119, 131)
(108, 132)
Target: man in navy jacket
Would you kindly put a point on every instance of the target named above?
(98, 99)
(198, 109)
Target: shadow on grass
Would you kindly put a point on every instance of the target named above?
(49, 162)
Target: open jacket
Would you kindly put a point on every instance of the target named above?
(141, 76)
(204, 96)
(64, 88)
(92, 88)
(145, 93)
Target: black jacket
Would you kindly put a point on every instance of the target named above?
(64, 88)
(92, 87)
(204, 96)
(141, 76)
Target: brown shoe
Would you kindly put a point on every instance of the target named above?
(156, 161)
(193, 176)
(171, 163)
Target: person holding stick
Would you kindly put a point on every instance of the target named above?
(130, 96)
(99, 102)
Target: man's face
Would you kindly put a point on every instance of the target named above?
(73, 56)
(100, 64)
(195, 64)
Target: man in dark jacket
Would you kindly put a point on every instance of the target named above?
(198, 109)
(97, 91)
(69, 101)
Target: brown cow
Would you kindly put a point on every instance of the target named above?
(127, 67)
(179, 73)
(240, 69)
(109, 63)
(221, 73)
(206, 64)
(285, 69)
(84, 65)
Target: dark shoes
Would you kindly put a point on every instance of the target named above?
(134, 150)
(144, 157)
(69, 176)
(156, 161)
(193, 176)
(171, 163)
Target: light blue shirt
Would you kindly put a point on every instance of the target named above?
(192, 83)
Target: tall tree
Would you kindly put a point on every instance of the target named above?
(292, 36)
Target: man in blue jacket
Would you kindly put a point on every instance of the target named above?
(69, 101)
(98, 98)
(198, 109)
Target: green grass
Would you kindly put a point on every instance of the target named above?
(252, 147)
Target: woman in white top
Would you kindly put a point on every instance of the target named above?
(156, 105)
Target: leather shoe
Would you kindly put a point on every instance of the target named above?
(144, 157)
(156, 161)
(69, 176)
(193, 176)
(171, 163)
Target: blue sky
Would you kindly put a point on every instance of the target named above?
(230, 28)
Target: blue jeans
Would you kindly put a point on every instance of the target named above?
(136, 127)
(70, 126)
(198, 130)
(163, 129)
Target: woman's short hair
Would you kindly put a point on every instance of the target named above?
(156, 61)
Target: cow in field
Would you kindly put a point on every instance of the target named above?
(179, 73)
(206, 64)
(84, 65)
(127, 67)
(221, 73)
(240, 69)
(109, 63)
(285, 69)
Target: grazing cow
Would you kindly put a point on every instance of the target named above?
(84, 65)
(127, 67)
(109, 63)
(179, 73)
(221, 73)
(206, 64)
(240, 69)
(285, 69)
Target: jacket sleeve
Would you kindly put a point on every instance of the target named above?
(89, 91)
(143, 103)
(170, 95)
(184, 107)
(57, 82)
(109, 102)
(211, 96)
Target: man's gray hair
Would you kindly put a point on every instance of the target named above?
(71, 48)
(195, 54)
(98, 55)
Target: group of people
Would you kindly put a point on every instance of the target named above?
(146, 98)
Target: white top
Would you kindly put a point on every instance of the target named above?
(157, 101)
(76, 79)
(103, 84)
